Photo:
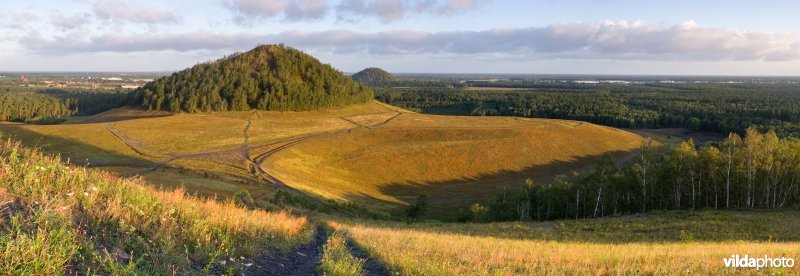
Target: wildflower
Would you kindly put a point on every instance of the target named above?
(248, 264)
(85, 194)
(41, 168)
(223, 262)
(94, 189)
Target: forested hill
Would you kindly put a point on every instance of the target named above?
(372, 74)
(269, 77)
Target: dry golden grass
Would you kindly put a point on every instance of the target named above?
(186, 133)
(211, 185)
(75, 217)
(118, 114)
(454, 160)
(420, 253)
(656, 244)
(83, 143)
(271, 126)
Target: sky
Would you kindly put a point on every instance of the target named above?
(642, 37)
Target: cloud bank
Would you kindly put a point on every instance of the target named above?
(386, 11)
(123, 10)
(621, 40)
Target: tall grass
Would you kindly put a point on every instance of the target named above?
(590, 247)
(59, 218)
(337, 259)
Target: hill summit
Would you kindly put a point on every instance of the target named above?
(269, 77)
(373, 74)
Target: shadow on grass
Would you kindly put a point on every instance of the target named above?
(652, 227)
(78, 153)
(110, 117)
(449, 199)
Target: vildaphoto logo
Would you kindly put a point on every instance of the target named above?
(758, 263)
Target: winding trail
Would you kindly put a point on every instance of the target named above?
(303, 260)
(260, 161)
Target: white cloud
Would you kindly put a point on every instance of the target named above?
(393, 10)
(125, 11)
(246, 11)
(69, 22)
(611, 40)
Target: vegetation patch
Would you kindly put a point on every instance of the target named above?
(65, 218)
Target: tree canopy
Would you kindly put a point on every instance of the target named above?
(269, 77)
(373, 75)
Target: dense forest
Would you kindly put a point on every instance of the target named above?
(268, 77)
(50, 106)
(713, 107)
(373, 75)
(758, 170)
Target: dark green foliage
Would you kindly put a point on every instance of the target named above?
(759, 171)
(244, 199)
(32, 107)
(417, 210)
(51, 106)
(373, 75)
(90, 102)
(713, 107)
(268, 77)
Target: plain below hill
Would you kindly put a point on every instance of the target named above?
(372, 75)
(269, 77)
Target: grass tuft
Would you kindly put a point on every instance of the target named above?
(336, 258)
(60, 218)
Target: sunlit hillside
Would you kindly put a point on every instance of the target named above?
(453, 160)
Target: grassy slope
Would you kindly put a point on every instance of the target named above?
(57, 218)
(454, 160)
(457, 159)
(663, 243)
(86, 140)
(82, 143)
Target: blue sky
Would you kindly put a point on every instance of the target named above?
(698, 37)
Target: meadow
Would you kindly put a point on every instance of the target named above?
(370, 154)
(455, 161)
(659, 243)
(63, 219)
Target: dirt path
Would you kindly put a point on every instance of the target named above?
(134, 145)
(304, 260)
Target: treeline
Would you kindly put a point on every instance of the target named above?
(51, 106)
(757, 171)
(720, 108)
(28, 107)
(268, 78)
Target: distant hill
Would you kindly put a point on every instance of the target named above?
(373, 74)
(269, 77)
